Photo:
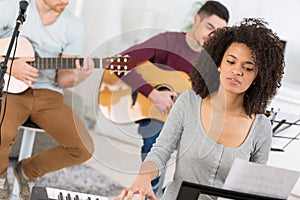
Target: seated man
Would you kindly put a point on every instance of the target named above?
(52, 31)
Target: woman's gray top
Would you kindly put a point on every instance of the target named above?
(199, 159)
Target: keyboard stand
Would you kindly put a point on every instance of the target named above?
(39, 193)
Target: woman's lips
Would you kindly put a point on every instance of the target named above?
(233, 80)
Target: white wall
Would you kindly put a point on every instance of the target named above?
(106, 20)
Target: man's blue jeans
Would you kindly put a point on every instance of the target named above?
(150, 130)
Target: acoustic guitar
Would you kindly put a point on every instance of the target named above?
(120, 104)
(114, 64)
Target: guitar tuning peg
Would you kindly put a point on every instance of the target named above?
(125, 59)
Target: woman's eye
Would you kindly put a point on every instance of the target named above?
(249, 69)
(230, 62)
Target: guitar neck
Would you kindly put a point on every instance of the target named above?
(116, 64)
(61, 63)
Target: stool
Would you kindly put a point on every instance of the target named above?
(29, 131)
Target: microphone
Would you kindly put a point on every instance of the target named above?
(23, 6)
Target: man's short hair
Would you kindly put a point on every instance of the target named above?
(214, 8)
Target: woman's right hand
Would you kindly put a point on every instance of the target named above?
(141, 186)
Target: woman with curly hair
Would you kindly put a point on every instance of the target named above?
(222, 118)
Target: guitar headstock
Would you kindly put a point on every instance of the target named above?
(119, 64)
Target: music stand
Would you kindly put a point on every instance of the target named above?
(286, 129)
(191, 191)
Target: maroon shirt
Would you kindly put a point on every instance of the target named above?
(166, 50)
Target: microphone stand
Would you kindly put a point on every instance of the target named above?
(3, 65)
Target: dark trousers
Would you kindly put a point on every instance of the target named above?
(150, 129)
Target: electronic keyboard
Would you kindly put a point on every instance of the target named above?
(46, 193)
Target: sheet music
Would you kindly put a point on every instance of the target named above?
(261, 179)
(284, 129)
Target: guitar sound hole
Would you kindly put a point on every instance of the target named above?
(165, 88)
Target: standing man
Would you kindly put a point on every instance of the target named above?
(176, 50)
(53, 31)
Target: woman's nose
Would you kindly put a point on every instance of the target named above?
(237, 72)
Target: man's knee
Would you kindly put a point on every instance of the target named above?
(81, 153)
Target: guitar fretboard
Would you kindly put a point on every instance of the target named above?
(115, 64)
(62, 63)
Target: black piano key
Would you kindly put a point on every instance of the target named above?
(68, 197)
(76, 197)
(60, 196)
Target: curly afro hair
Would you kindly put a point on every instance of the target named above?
(268, 54)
